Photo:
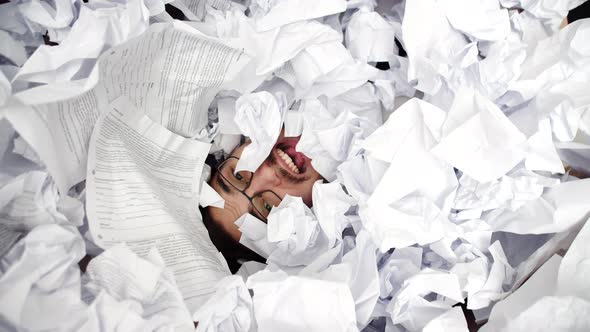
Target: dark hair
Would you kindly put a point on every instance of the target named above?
(235, 253)
(213, 161)
(216, 158)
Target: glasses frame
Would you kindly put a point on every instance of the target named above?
(219, 167)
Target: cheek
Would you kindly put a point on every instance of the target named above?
(307, 197)
(306, 193)
(225, 220)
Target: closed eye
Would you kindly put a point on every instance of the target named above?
(222, 185)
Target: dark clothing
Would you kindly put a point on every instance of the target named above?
(235, 253)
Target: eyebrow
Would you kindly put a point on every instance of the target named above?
(222, 184)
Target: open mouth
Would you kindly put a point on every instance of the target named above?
(291, 160)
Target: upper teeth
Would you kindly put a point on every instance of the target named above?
(288, 160)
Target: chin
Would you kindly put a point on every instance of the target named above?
(307, 200)
(222, 224)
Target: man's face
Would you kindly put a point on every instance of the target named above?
(285, 171)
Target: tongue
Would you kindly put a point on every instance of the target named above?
(297, 157)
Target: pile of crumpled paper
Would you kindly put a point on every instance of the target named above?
(454, 136)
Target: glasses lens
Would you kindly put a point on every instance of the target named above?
(264, 202)
(240, 180)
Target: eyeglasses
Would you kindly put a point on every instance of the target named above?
(262, 202)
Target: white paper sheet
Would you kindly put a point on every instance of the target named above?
(5, 88)
(272, 48)
(405, 210)
(411, 310)
(28, 300)
(551, 11)
(31, 199)
(543, 65)
(330, 139)
(361, 174)
(559, 209)
(513, 190)
(343, 78)
(363, 101)
(330, 204)
(131, 156)
(420, 40)
(364, 284)
(483, 19)
(485, 146)
(226, 110)
(229, 309)
(452, 320)
(370, 37)
(288, 11)
(59, 132)
(146, 284)
(253, 235)
(12, 49)
(576, 155)
(399, 266)
(542, 283)
(260, 118)
(541, 153)
(553, 313)
(8, 238)
(574, 266)
(500, 273)
(316, 61)
(180, 72)
(291, 303)
(209, 197)
(62, 68)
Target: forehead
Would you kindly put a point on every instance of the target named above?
(237, 152)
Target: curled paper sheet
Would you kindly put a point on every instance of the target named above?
(404, 142)
(559, 209)
(145, 287)
(555, 291)
(28, 299)
(289, 303)
(229, 309)
(259, 118)
(370, 37)
(566, 313)
(327, 139)
(365, 279)
(292, 236)
(481, 20)
(573, 266)
(285, 12)
(542, 283)
(330, 204)
(452, 320)
(551, 13)
(209, 197)
(296, 234)
(62, 68)
(410, 309)
(484, 154)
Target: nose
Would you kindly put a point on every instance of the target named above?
(263, 179)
